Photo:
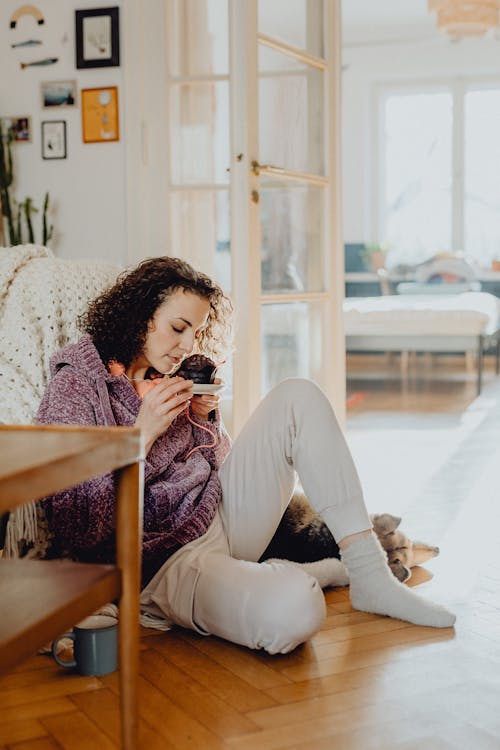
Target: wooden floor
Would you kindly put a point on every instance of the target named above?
(428, 450)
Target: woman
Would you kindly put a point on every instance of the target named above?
(211, 509)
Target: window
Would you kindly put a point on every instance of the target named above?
(440, 172)
(482, 175)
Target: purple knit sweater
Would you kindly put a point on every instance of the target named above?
(180, 496)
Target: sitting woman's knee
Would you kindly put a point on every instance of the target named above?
(298, 388)
(298, 611)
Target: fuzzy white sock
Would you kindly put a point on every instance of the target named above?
(373, 588)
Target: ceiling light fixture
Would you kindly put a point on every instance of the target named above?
(466, 18)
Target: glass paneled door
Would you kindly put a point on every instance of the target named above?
(254, 100)
(292, 156)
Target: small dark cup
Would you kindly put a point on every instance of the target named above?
(95, 642)
(198, 368)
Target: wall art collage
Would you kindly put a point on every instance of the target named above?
(96, 45)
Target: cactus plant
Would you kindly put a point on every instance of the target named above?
(12, 211)
(28, 209)
(6, 179)
(47, 229)
(16, 239)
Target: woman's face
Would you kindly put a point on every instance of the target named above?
(173, 330)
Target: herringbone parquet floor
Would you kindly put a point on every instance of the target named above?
(428, 451)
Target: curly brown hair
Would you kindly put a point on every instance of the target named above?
(118, 319)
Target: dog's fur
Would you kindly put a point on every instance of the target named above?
(303, 537)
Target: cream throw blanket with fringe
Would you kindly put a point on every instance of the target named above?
(41, 297)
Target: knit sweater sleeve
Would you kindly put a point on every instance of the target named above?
(81, 517)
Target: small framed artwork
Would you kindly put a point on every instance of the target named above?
(19, 128)
(97, 38)
(54, 139)
(58, 94)
(100, 115)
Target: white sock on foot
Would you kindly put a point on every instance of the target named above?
(373, 588)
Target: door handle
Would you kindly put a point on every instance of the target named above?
(258, 168)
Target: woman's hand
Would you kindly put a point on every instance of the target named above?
(161, 406)
(201, 406)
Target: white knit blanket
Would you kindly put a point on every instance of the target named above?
(41, 297)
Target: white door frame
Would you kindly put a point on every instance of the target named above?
(245, 234)
(145, 73)
(335, 368)
(145, 118)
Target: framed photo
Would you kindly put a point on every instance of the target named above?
(100, 115)
(97, 38)
(54, 139)
(19, 128)
(57, 94)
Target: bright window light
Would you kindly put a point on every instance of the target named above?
(482, 175)
(418, 174)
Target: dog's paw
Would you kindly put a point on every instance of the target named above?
(328, 572)
(402, 572)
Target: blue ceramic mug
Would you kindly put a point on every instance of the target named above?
(95, 646)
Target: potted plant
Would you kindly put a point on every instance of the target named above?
(18, 216)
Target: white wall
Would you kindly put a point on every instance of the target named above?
(88, 190)
(109, 198)
(365, 68)
(145, 105)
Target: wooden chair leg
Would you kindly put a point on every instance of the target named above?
(480, 363)
(405, 361)
(428, 360)
(470, 364)
(129, 520)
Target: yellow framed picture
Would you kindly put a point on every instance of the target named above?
(100, 115)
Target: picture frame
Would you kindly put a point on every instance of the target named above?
(97, 36)
(54, 144)
(100, 119)
(19, 128)
(59, 94)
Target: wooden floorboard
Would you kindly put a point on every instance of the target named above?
(427, 449)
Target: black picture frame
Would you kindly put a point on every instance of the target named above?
(97, 37)
(54, 143)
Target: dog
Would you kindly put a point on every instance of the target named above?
(303, 538)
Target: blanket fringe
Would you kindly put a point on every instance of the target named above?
(21, 529)
(27, 532)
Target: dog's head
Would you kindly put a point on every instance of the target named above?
(402, 553)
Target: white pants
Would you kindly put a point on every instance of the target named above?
(215, 584)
